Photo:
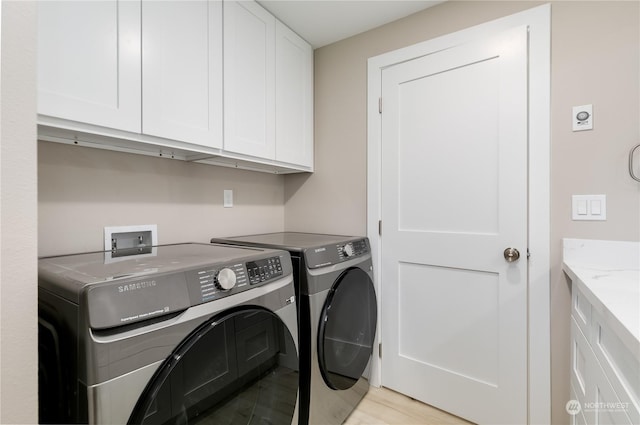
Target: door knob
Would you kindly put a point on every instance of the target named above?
(511, 255)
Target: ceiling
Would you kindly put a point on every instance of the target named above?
(323, 22)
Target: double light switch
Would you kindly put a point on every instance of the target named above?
(589, 207)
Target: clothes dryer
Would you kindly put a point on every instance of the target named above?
(338, 314)
(187, 333)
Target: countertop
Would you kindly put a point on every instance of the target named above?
(608, 273)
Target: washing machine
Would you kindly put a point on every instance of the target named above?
(184, 333)
(337, 322)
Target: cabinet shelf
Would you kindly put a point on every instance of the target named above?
(139, 144)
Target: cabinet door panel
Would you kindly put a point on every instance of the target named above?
(249, 79)
(580, 354)
(619, 363)
(294, 98)
(182, 70)
(89, 62)
(604, 402)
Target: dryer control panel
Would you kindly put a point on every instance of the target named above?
(336, 253)
(353, 249)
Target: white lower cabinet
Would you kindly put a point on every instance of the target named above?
(199, 80)
(602, 386)
(577, 418)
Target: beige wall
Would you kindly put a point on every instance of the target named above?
(600, 41)
(595, 56)
(82, 190)
(18, 211)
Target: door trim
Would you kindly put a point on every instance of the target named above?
(538, 21)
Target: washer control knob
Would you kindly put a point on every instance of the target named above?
(226, 279)
(347, 250)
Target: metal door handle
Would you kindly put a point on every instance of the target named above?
(631, 171)
(511, 255)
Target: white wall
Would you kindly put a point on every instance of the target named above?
(18, 211)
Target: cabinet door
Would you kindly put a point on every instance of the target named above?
(182, 70)
(592, 389)
(604, 402)
(89, 62)
(580, 360)
(294, 98)
(249, 79)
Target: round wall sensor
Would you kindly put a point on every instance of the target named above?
(582, 115)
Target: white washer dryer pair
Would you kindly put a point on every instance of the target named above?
(337, 318)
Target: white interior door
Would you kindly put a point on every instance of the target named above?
(454, 197)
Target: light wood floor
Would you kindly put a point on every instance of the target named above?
(383, 406)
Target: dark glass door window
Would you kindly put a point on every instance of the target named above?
(347, 329)
(237, 368)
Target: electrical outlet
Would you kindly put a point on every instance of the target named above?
(228, 198)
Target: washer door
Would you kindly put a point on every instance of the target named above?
(347, 329)
(238, 367)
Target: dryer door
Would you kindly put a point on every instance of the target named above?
(239, 367)
(347, 329)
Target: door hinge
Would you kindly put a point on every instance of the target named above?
(379, 227)
(380, 105)
(380, 350)
(528, 254)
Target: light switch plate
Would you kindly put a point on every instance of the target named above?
(582, 117)
(589, 207)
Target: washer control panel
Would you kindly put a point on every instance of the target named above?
(181, 276)
(265, 269)
(214, 282)
(223, 280)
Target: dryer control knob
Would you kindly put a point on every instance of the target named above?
(226, 279)
(347, 250)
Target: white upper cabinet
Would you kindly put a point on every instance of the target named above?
(182, 71)
(294, 98)
(219, 82)
(89, 62)
(249, 79)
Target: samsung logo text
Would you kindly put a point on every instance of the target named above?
(137, 285)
